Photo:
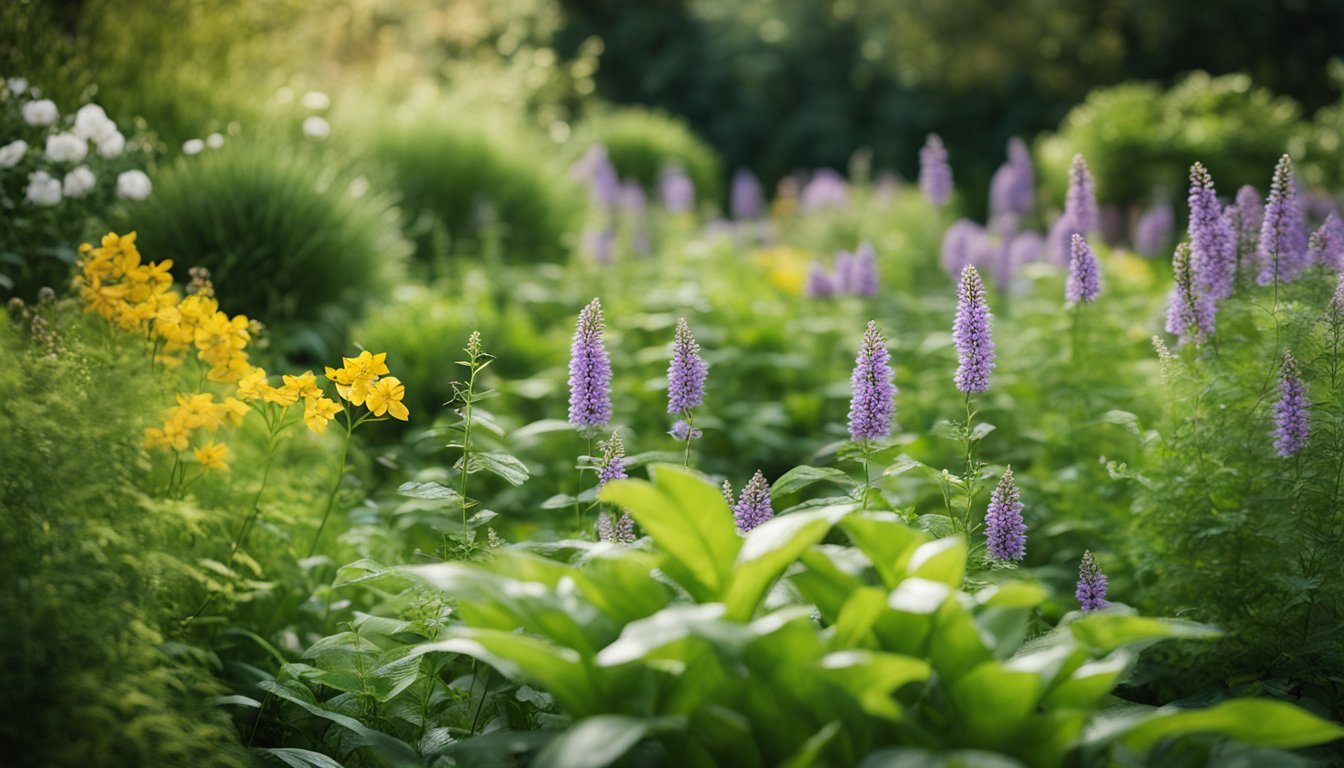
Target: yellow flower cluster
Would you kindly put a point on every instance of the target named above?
(198, 412)
(317, 409)
(362, 381)
(137, 297)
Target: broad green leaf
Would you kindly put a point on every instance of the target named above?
(906, 627)
(689, 520)
(903, 464)
(559, 501)
(542, 427)
(558, 670)
(824, 582)
(871, 678)
(854, 626)
(1013, 594)
(431, 490)
(911, 757)
(299, 758)
(674, 623)
(619, 584)
(1107, 631)
(505, 465)
(887, 541)
(943, 560)
(1259, 722)
(359, 734)
(992, 702)
(956, 645)
(1090, 684)
(595, 742)
(389, 680)
(801, 477)
(770, 549)
(810, 753)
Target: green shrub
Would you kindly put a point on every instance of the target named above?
(642, 142)
(466, 189)
(1139, 139)
(284, 236)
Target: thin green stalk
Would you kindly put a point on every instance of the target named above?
(336, 486)
(690, 431)
(466, 445)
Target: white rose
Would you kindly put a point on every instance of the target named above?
(43, 189)
(16, 85)
(316, 128)
(91, 122)
(40, 112)
(111, 144)
(133, 185)
(66, 148)
(214, 140)
(78, 182)
(12, 153)
(193, 146)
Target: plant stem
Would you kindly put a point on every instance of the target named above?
(970, 467)
(690, 432)
(466, 444)
(336, 486)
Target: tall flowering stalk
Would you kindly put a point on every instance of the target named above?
(1246, 216)
(1213, 243)
(865, 270)
(1084, 283)
(1080, 202)
(1091, 592)
(1327, 244)
(686, 381)
(589, 382)
(935, 175)
(972, 335)
(1005, 533)
(620, 528)
(1282, 248)
(1190, 312)
(753, 506)
(467, 395)
(873, 402)
(1291, 423)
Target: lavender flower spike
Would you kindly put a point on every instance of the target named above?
(589, 373)
(753, 506)
(1153, 230)
(874, 400)
(1190, 312)
(1291, 424)
(1005, 533)
(972, 335)
(1091, 592)
(1247, 216)
(1283, 242)
(820, 283)
(864, 274)
(1213, 247)
(676, 189)
(686, 374)
(1327, 244)
(618, 531)
(613, 460)
(1080, 203)
(1084, 282)
(935, 175)
(748, 199)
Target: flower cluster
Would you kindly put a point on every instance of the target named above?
(1005, 533)
(935, 175)
(1091, 592)
(1190, 312)
(198, 412)
(589, 372)
(753, 506)
(855, 274)
(613, 460)
(364, 380)
(1213, 246)
(1291, 424)
(874, 396)
(686, 373)
(1084, 283)
(972, 335)
(1282, 250)
(617, 530)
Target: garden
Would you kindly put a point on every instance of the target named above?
(743, 383)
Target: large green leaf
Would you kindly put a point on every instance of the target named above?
(560, 671)
(854, 626)
(992, 702)
(887, 541)
(1090, 684)
(1259, 722)
(910, 757)
(1108, 630)
(810, 753)
(358, 734)
(618, 582)
(942, 560)
(674, 623)
(801, 477)
(596, 742)
(827, 579)
(770, 549)
(299, 758)
(504, 465)
(907, 626)
(872, 677)
(690, 522)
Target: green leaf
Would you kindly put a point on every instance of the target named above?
(299, 758)
(871, 678)
(770, 549)
(1107, 631)
(942, 560)
(824, 582)
(903, 464)
(801, 477)
(1259, 722)
(559, 501)
(359, 734)
(505, 465)
(542, 427)
(910, 757)
(689, 520)
(854, 626)
(887, 541)
(558, 670)
(430, 490)
(1014, 594)
(1090, 684)
(992, 701)
(810, 753)
(596, 742)
(980, 430)
(676, 622)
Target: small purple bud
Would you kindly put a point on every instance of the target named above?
(1091, 592)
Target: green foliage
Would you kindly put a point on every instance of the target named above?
(643, 142)
(1140, 139)
(288, 239)
(471, 189)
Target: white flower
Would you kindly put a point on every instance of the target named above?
(12, 153)
(78, 182)
(133, 185)
(214, 140)
(316, 128)
(16, 85)
(66, 148)
(110, 144)
(40, 112)
(43, 189)
(91, 122)
(315, 100)
(193, 146)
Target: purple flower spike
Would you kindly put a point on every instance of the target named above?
(1247, 215)
(820, 283)
(1153, 231)
(1282, 251)
(1190, 312)
(935, 175)
(1080, 203)
(865, 270)
(753, 506)
(873, 403)
(1005, 533)
(676, 190)
(1327, 244)
(618, 531)
(686, 373)
(1012, 190)
(1084, 282)
(1213, 245)
(971, 333)
(962, 246)
(1091, 592)
(589, 373)
(604, 185)
(1291, 424)
(825, 190)
(747, 200)
(613, 460)
(844, 272)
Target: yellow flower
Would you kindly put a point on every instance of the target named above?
(213, 456)
(173, 435)
(234, 410)
(385, 397)
(354, 379)
(198, 411)
(253, 385)
(231, 368)
(317, 411)
(303, 386)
